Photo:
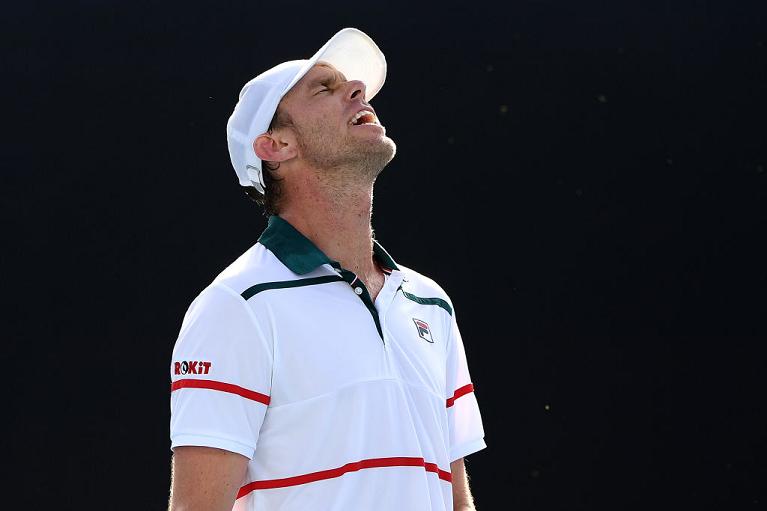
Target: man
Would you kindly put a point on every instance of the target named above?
(315, 373)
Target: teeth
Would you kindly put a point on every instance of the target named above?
(360, 114)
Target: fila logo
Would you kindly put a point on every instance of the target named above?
(423, 330)
(192, 367)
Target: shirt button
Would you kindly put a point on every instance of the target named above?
(358, 290)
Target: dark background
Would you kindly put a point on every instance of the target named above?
(585, 179)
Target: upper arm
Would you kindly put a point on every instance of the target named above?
(204, 478)
(221, 375)
(221, 384)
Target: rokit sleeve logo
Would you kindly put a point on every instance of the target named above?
(195, 367)
(423, 330)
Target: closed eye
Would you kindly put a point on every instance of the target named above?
(325, 86)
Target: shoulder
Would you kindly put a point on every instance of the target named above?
(227, 291)
(423, 285)
(220, 318)
(258, 265)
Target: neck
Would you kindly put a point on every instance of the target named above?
(337, 219)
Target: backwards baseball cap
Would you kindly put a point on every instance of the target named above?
(350, 51)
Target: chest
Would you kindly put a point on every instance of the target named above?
(332, 341)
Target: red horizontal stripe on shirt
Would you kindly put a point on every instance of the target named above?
(460, 392)
(338, 472)
(220, 386)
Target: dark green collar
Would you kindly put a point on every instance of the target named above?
(299, 254)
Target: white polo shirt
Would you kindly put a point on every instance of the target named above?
(340, 403)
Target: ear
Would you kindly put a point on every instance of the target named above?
(274, 147)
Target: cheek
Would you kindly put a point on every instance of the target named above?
(324, 126)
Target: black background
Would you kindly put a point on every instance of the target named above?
(585, 179)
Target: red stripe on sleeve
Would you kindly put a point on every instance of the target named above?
(460, 392)
(222, 387)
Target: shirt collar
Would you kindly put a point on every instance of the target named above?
(299, 254)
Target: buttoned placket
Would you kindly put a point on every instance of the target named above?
(384, 298)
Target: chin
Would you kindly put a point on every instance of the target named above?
(385, 149)
(380, 158)
(372, 156)
(389, 145)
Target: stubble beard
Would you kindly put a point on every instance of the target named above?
(346, 158)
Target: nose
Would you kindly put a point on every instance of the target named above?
(356, 88)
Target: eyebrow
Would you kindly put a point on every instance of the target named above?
(325, 79)
(322, 80)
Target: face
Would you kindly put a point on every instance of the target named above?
(336, 128)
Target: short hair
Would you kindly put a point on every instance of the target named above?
(271, 199)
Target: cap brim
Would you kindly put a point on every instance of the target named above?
(355, 55)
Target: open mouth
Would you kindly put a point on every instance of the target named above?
(364, 117)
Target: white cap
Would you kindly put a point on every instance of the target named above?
(350, 51)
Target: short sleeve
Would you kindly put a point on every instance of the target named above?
(464, 418)
(221, 373)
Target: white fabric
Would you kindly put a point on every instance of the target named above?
(338, 394)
